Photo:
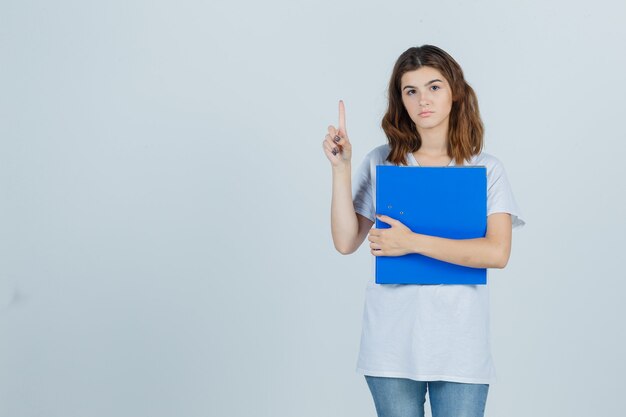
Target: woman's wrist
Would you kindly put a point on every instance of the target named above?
(343, 167)
(416, 243)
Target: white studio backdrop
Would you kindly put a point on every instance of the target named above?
(165, 245)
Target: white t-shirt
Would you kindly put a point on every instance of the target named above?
(428, 332)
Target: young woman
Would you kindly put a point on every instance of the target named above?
(419, 338)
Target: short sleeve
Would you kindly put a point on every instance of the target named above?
(362, 194)
(500, 197)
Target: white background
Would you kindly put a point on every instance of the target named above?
(165, 245)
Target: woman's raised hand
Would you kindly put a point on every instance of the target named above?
(336, 144)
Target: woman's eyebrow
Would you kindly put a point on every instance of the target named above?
(425, 85)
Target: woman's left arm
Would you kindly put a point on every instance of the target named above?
(491, 251)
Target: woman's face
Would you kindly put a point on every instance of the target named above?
(427, 98)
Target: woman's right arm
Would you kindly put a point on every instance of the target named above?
(348, 228)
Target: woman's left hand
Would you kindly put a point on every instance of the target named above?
(395, 241)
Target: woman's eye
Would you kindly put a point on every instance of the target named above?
(436, 86)
(410, 91)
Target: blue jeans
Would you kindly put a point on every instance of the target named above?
(401, 397)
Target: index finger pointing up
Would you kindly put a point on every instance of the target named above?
(342, 117)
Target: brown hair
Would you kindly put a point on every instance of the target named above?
(465, 129)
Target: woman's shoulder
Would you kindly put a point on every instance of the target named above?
(381, 150)
(495, 168)
(486, 159)
(378, 154)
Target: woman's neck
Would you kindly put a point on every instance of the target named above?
(434, 143)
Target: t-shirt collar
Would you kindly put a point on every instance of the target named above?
(411, 158)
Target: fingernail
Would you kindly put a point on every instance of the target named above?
(337, 139)
(335, 151)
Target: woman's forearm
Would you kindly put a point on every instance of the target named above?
(475, 253)
(343, 221)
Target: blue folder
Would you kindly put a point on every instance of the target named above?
(448, 202)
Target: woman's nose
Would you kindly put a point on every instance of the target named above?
(424, 99)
